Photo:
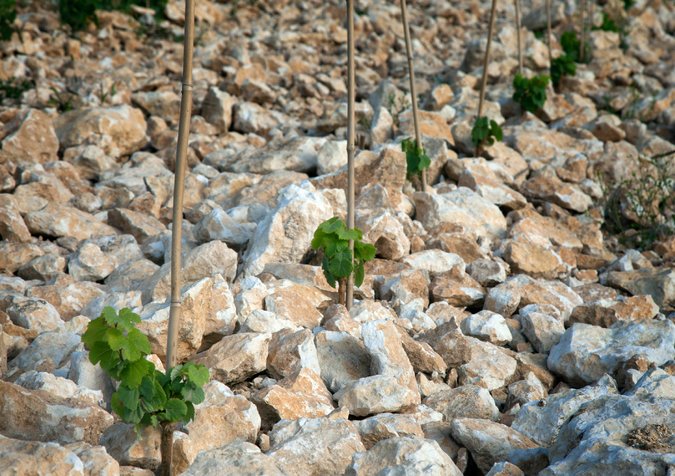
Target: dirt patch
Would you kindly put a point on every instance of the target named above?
(655, 438)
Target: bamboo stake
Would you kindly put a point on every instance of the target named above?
(518, 37)
(486, 60)
(411, 74)
(176, 228)
(582, 49)
(548, 31)
(351, 126)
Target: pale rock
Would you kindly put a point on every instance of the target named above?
(118, 130)
(467, 401)
(90, 376)
(122, 443)
(534, 256)
(457, 288)
(550, 188)
(422, 357)
(290, 351)
(343, 358)
(34, 314)
(408, 286)
(43, 267)
(491, 442)
(488, 366)
(33, 138)
(161, 103)
(12, 226)
(38, 415)
(488, 326)
(333, 443)
(542, 330)
(67, 295)
(300, 395)
(431, 124)
(585, 353)
(376, 394)
(219, 225)
(658, 282)
(296, 303)
(414, 316)
(491, 181)
(286, 233)
(524, 391)
(138, 224)
(18, 456)
(449, 342)
(265, 321)
(387, 425)
(130, 276)
(535, 363)
(89, 263)
(384, 230)
(461, 207)
(236, 357)
(381, 126)
(542, 423)
(59, 387)
(217, 108)
(332, 156)
(504, 468)
(250, 296)
(222, 418)
(249, 117)
(239, 457)
(487, 272)
(435, 261)
(210, 259)
(95, 459)
(654, 383)
(404, 455)
(207, 308)
(48, 352)
(58, 220)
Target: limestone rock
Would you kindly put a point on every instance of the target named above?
(467, 401)
(64, 221)
(236, 357)
(33, 138)
(18, 456)
(122, 443)
(387, 425)
(488, 326)
(12, 226)
(217, 108)
(290, 351)
(342, 359)
(239, 457)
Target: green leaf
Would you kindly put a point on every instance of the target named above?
(128, 415)
(101, 353)
(133, 346)
(197, 374)
(133, 372)
(364, 251)
(153, 394)
(95, 332)
(340, 264)
(333, 225)
(128, 396)
(359, 274)
(193, 394)
(347, 235)
(175, 410)
(325, 265)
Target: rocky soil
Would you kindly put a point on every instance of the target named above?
(500, 330)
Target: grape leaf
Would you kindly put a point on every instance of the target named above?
(340, 264)
(133, 372)
(175, 410)
(359, 274)
(193, 394)
(95, 332)
(364, 251)
(197, 374)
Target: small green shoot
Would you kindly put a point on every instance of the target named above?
(485, 131)
(145, 396)
(562, 66)
(530, 93)
(332, 237)
(571, 45)
(14, 88)
(7, 17)
(416, 158)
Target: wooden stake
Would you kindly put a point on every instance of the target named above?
(176, 228)
(548, 31)
(518, 37)
(351, 128)
(486, 60)
(411, 75)
(582, 9)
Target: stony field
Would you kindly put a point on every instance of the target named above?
(519, 317)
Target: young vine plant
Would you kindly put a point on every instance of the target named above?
(332, 237)
(530, 93)
(145, 396)
(416, 158)
(485, 131)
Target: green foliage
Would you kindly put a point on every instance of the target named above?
(79, 13)
(571, 46)
(7, 17)
(332, 237)
(145, 395)
(14, 88)
(628, 4)
(416, 158)
(641, 209)
(530, 93)
(562, 66)
(485, 131)
(608, 24)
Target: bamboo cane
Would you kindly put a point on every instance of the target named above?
(548, 31)
(176, 228)
(518, 36)
(411, 74)
(486, 60)
(582, 48)
(351, 83)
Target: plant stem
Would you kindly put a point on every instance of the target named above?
(548, 31)
(351, 127)
(166, 448)
(342, 291)
(179, 184)
(518, 37)
(413, 94)
(486, 60)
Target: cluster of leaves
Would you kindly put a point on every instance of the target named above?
(530, 93)
(641, 209)
(561, 66)
(333, 237)
(7, 17)
(79, 13)
(608, 24)
(145, 395)
(14, 88)
(416, 158)
(485, 131)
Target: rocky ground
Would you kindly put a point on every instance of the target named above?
(500, 330)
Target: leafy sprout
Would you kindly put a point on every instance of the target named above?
(416, 158)
(485, 131)
(562, 66)
(530, 93)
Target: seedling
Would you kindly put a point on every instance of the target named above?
(416, 158)
(332, 237)
(145, 396)
(79, 13)
(7, 17)
(571, 45)
(530, 93)
(562, 66)
(485, 131)
(14, 88)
